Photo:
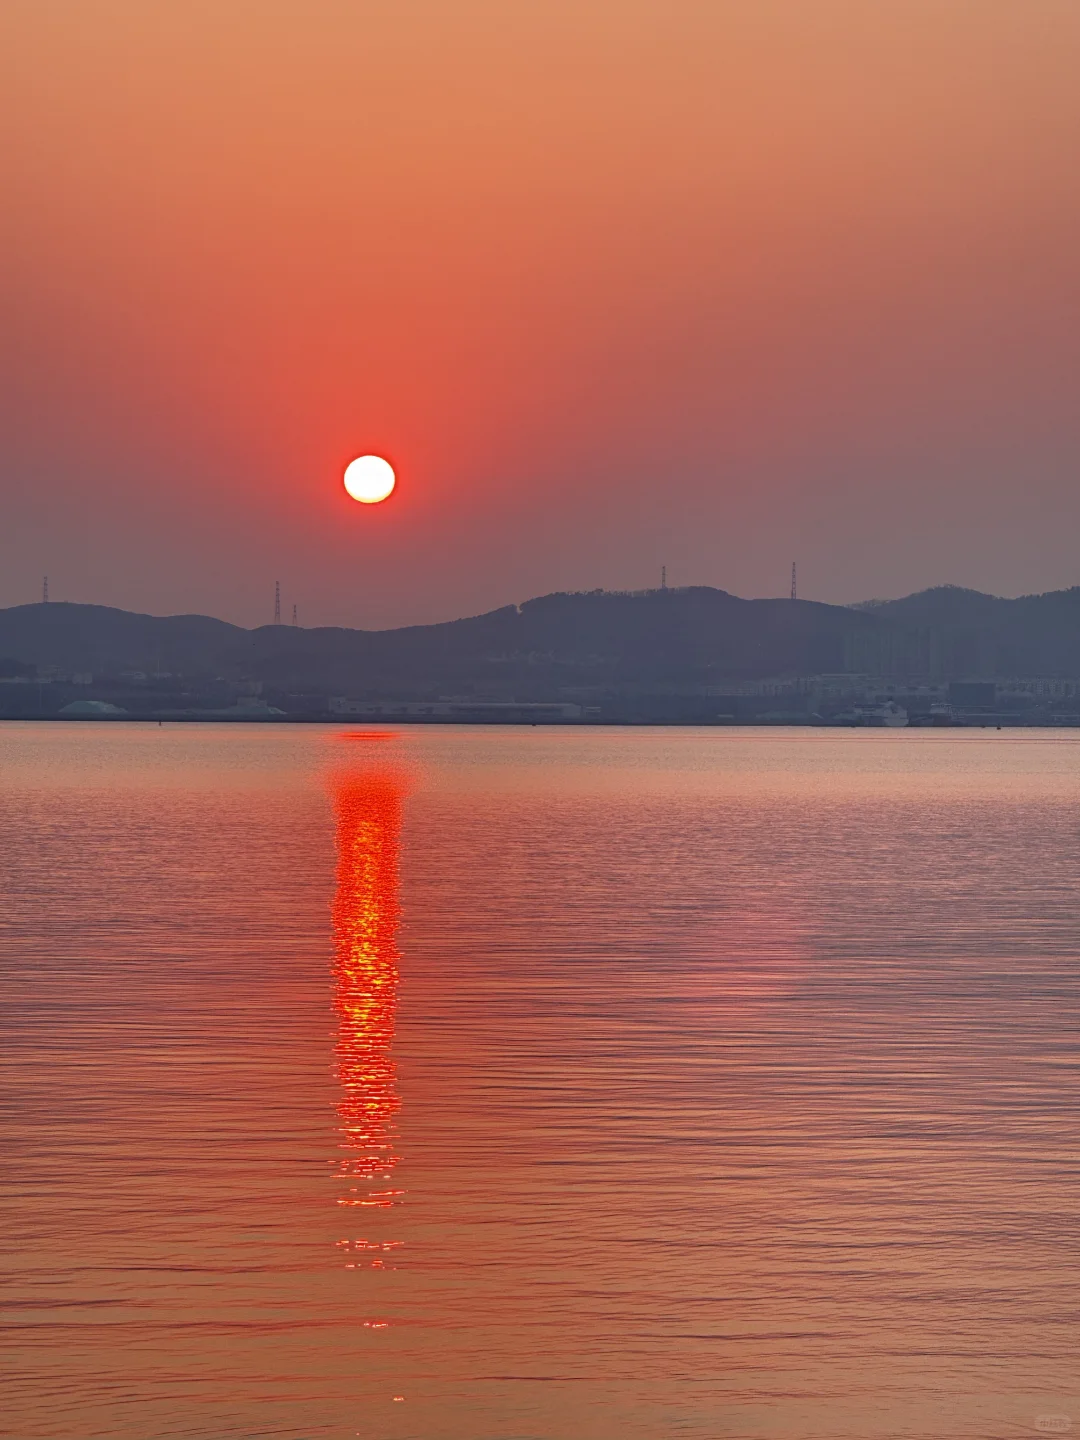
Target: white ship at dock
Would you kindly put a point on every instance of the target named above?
(888, 716)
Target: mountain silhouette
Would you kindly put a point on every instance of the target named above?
(694, 636)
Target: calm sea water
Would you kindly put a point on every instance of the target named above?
(491, 1084)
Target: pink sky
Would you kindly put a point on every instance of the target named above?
(615, 284)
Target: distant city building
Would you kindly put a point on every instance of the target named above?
(244, 709)
(1040, 688)
(457, 709)
(972, 694)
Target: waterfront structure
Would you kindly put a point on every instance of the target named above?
(505, 710)
(91, 710)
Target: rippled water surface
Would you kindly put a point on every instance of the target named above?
(489, 1084)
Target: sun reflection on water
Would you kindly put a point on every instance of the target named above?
(368, 802)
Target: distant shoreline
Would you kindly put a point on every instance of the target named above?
(389, 722)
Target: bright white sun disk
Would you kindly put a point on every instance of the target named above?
(369, 479)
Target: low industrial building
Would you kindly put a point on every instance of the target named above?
(478, 710)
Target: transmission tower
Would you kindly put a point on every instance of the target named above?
(45, 591)
(294, 614)
(277, 602)
(793, 594)
(663, 577)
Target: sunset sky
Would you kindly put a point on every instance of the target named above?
(614, 284)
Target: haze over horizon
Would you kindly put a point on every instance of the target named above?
(615, 286)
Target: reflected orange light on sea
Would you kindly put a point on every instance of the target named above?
(368, 798)
(671, 1082)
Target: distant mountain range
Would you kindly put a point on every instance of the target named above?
(560, 643)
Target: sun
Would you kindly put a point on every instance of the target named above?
(370, 479)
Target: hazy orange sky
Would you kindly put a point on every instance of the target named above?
(613, 283)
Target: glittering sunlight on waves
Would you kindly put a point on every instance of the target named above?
(368, 804)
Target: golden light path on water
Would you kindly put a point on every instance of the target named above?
(368, 800)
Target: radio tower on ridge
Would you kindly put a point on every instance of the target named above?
(294, 614)
(793, 595)
(277, 602)
(45, 591)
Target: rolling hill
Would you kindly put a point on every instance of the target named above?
(659, 638)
